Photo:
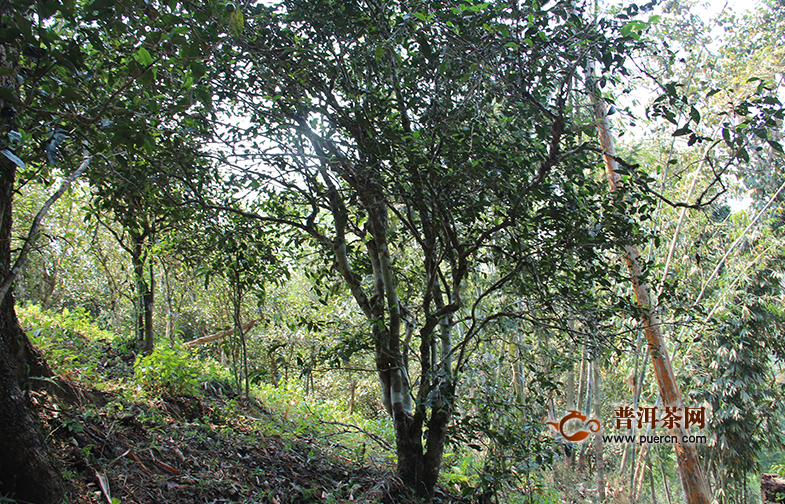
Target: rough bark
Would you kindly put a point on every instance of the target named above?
(25, 468)
(27, 472)
(693, 481)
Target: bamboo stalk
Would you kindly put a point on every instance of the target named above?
(693, 481)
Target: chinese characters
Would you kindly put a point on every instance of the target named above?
(667, 417)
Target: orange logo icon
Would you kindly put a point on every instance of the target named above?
(581, 434)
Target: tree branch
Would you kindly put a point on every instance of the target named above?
(28, 244)
(645, 186)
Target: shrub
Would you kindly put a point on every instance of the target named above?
(168, 371)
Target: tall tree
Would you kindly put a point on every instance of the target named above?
(696, 490)
(141, 197)
(243, 254)
(441, 127)
(27, 471)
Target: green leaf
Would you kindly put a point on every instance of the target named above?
(13, 157)
(695, 115)
(143, 57)
(379, 52)
(236, 23)
(726, 136)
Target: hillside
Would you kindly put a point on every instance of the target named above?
(117, 443)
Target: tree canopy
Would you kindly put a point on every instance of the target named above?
(414, 189)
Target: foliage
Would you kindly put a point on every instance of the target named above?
(740, 375)
(317, 416)
(78, 322)
(168, 370)
(75, 346)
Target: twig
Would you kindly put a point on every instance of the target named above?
(381, 442)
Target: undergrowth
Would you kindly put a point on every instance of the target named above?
(172, 421)
(177, 403)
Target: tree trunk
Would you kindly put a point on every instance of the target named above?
(693, 481)
(237, 301)
(113, 288)
(417, 467)
(569, 459)
(584, 404)
(598, 446)
(651, 481)
(170, 315)
(144, 293)
(138, 266)
(27, 472)
(149, 339)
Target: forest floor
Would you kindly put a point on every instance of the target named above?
(189, 449)
(117, 443)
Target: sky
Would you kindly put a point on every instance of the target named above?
(739, 6)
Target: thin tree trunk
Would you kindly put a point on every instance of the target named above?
(664, 478)
(149, 339)
(169, 331)
(113, 288)
(693, 480)
(352, 393)
(580, 406)
(519, 382)
(582, 379)
(598, 445)
(571, 375)
(569, 459)
(137, 262)
(238, 327)
(651, 481)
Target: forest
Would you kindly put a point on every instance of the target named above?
(392, 251)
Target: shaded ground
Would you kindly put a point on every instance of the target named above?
(191, 450)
